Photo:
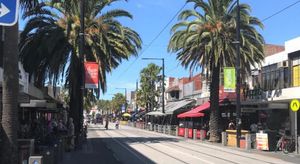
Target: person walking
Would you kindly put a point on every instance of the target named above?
(117, 123)
(106, 123)
(71, 134)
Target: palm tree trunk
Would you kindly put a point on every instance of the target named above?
(10, 87)
(214, 121)
(76, 97)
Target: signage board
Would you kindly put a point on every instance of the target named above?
(91, 75)
(295, 105)
(229, 79)
(9, 11)
(262, 142)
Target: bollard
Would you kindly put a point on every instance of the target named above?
(224, 138)
(154, 128)
(202, 135)
(176, 131)
(195, 134)
(248, 141)
(170, 130)
(164, 129)
(36, 159)
(186, 132)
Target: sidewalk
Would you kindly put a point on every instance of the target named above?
(94, 151)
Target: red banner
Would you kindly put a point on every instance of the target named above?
(91, 74)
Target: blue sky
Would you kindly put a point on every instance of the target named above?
(150, 16)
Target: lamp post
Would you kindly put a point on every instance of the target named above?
(125, 98)
(81, 58)
(238, 83)
(163, 80)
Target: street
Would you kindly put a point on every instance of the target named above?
(135, 146)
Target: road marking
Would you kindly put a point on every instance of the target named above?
(126, 147)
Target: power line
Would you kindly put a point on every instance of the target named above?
(265, 19)
(153, 40)
(280, 11)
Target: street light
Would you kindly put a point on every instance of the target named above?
(238, 83)
(125, 98)
(81, 58)
(163, 80)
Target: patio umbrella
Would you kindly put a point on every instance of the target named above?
(126, 115)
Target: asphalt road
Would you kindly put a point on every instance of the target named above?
(135, 146)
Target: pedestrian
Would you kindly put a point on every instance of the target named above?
(71, 134)
(117, 123)
(253, 128)
(231, 125)
(106, 123)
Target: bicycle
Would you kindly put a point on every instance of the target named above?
(286, 144)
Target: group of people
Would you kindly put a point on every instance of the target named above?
(48, 132)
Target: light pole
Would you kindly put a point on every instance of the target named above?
(81, 58)
(163, 80)
(125, 98)
(238, 83)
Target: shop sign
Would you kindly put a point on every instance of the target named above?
(262, 142)
(229, 79)
(295, 105)
(91, 75)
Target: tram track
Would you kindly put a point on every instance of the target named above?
(202, 153)
(140, 132)
(148, 146)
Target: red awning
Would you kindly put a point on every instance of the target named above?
(196, 111)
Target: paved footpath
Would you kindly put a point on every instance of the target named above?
(94, 151)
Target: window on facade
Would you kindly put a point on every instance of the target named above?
(274, 77)
(296, 71)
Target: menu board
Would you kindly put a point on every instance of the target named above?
(262, 142)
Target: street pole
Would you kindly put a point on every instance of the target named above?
(238, 85)
(163, 85)
(125, 100)
(81, 57)
(136, 90)
(296, 134)
(1, 47)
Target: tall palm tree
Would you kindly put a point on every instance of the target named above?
(147, 93)
(49, 44)
(204, 38)
(10, 90)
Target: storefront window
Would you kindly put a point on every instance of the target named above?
(274, 77)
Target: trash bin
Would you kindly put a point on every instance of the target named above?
(231, 138)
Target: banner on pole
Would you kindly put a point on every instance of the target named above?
(229, 79)
(91, 74)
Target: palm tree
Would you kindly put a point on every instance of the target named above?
(49, 44)
(10, 87)
(146, 95)
(204, 38)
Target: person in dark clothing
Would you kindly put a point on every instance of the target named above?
(106, 123)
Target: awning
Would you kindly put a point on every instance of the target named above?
(171, 107)
(190, 115)
(38, 104)
(174, 88)
(155, 113)
(196, 111)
